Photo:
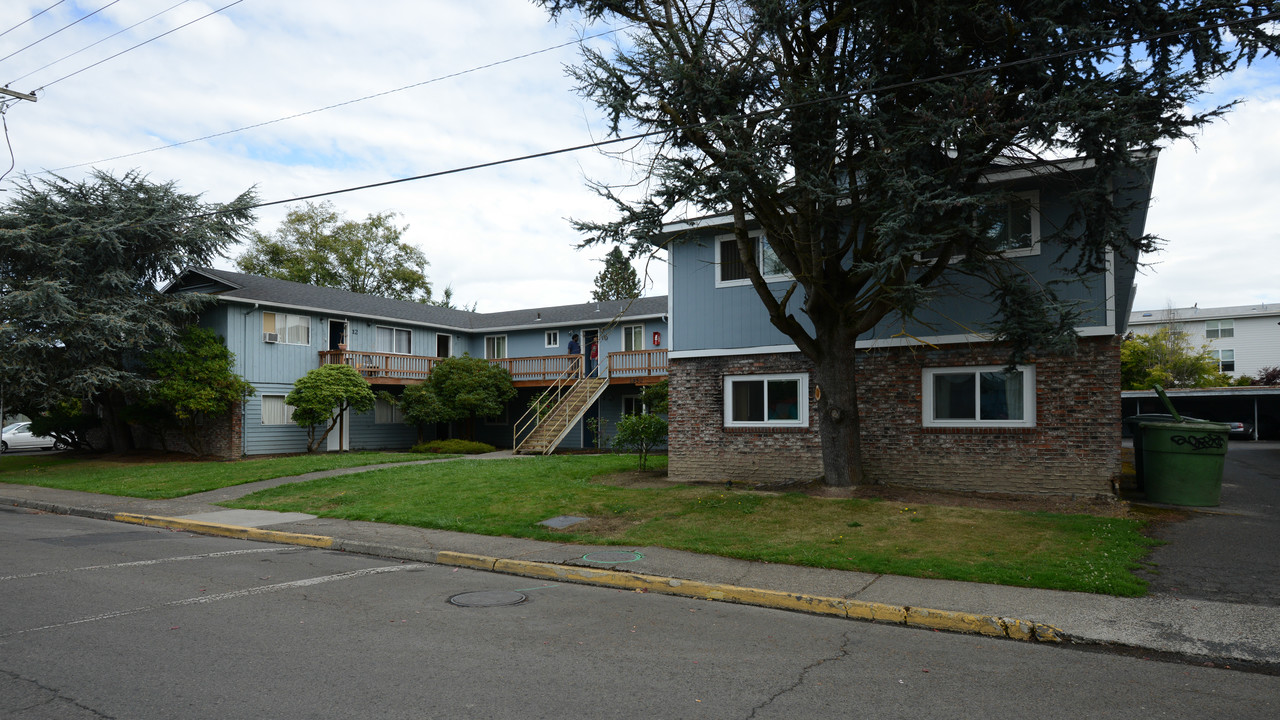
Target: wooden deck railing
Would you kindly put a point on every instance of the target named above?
(539, 369)
(382, 368)
(390, 368)
(638, 363)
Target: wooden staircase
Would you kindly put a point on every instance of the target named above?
(572, 404)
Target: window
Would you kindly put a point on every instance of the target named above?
(632, 337)
(732, 271)
(553, 339)
(386, 412)
(1013, 227)
(495, 347)
(979, 397)
(1226, 360)
(393, 340)
(288, 329)
(631, 405)
(275, 411)
(1215, 329)
(766, 400)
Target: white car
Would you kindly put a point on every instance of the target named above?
(18, 437)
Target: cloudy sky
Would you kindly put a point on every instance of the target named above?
(500, 236)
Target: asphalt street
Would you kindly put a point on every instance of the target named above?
(109, 620)
(1230, 553)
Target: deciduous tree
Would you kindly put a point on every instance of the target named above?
(459, 388)
(195, 383)
(1166, 357)
(320, 398)
(861, 138)
(317, 245)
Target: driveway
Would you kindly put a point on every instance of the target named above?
(1230, 553)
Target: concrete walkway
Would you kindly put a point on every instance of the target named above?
(1175, 624)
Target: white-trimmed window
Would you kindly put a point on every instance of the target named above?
(632, 405)
(285, 328)
(495, 347)
(731, 271)
(385, 413)
(632, 337)
(766, 400)
(552, 339)
(1012, 227)
(1226, 360)
(1216, 329)
(275, 411)
(985, 396)
(1015, 225)
(393, 340)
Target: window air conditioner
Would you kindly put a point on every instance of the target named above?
(270, 337)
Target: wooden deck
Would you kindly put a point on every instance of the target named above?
(639, 367)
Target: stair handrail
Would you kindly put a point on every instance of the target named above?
(526, 424)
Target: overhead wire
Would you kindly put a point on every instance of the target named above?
(86, 47)
(33, 17)
(64, 27)
(135, 47)
(755, 114)
(344, 103)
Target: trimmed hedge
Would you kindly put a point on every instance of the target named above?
(453, 447)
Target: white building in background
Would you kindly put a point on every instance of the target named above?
(1244, 338)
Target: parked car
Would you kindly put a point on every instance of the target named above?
(1241, 429)
(18, 436)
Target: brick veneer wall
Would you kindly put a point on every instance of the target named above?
(1073, 449)
(223, 437)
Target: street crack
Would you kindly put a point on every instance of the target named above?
(841, 653)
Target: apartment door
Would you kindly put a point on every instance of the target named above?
(337, 334)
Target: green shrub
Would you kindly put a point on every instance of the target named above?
(453, 447)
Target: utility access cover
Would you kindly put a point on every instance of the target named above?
(488, 598)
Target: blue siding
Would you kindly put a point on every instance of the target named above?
(733, 317)
(369, 435)
(262, 439)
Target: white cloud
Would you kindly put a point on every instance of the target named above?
(499, 235)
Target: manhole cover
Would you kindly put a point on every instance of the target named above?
(613, 557)
(488, 598)
(561, 522)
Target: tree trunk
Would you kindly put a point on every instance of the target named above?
(117, 429)
(838, 423)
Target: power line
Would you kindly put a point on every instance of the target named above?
(342, 104)
(33, 17)
(760, 113)
(86, 47)
(64, 27)
(135, 47)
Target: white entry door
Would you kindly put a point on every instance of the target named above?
(340, 437)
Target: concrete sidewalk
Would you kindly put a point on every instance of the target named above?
(1191, 629)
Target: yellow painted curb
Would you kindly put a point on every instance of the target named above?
(949, 620)
(232, 531)
(479, 562)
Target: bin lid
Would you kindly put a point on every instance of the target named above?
(1188, 426)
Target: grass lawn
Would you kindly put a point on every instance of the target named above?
(159, 480)
(509, 497)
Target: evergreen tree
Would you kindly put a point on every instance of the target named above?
(860, 137)
(618, 280)
(80, 262)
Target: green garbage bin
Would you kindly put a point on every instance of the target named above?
(1182, 462)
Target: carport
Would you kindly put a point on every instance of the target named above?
(1259, 406)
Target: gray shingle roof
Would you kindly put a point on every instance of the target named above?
(257, 289)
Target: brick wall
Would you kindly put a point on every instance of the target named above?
(223, 437)
(1074, 448)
